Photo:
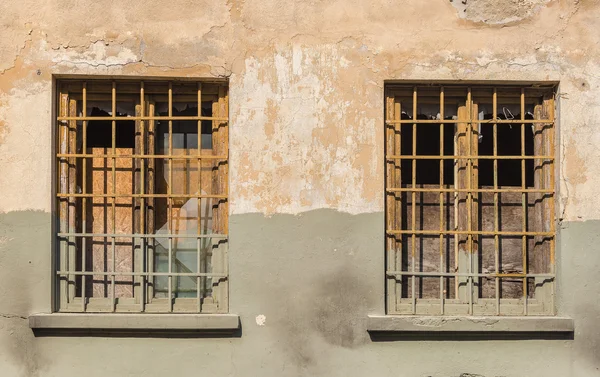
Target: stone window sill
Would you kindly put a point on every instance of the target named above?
(134, 322)
(440, 324)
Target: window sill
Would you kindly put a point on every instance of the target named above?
(439, 324)
(135, 322)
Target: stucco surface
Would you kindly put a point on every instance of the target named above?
(306, 145)
(306, 83)
(303, 287)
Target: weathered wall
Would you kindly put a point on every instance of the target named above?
(306, 135)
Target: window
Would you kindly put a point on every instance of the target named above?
(142, 183)
(470, 199)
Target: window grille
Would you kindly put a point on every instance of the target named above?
(470, 199)
(142, 188)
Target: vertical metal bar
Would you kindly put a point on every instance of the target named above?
(398, 245)
(170, 199)
(84, 200)
(470, 196)
(63, 208)
(224, 112)
(391, 213)
(496, 211)
(523, 201)
(114, 191)
(441, 200)
(550, 106)
(151, 202)
(413, 198)
(394, 292)
(457, 183)
(142, 173)
(198, 201)
(72, 149)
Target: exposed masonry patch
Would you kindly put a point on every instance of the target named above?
(497, 12)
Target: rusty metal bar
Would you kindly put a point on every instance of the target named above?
(170, 201)
(135, 118)
(398, 245)
(113, 274)
(224, 109)
(157, 156)
(84, 200)
(550, 105)
(441, 199)
(198, 201)
(473, 190)
(523, 201)
(391, 210)
(142, 174)
(470, 196)
(114, 190)
(413, 199)
(63, 187)
(471, 232)
(496, 207)
(467, 274)
(169, 196)
(141, 235)
(465, 157)
(483, 121)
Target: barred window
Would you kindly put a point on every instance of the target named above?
(470, 199)
(142, 183)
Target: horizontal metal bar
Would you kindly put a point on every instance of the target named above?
(463, 157)
(183, 274)
(452, 121)
(131, 235)
(158, 156)
(467, 232)
(133, 118)
(466, 274)
(62, 195)
(492, 190)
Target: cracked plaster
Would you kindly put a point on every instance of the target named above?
(306, 82)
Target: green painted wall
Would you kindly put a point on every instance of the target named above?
(314, 277)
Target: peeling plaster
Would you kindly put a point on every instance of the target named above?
(497, 12)
(306, 92)
(307, 121)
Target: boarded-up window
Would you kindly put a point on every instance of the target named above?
(142, 196)
(470, 199)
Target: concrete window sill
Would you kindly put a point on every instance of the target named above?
(122, 322)
(393, 323)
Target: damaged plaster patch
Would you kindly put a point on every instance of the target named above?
(321, 153)
(432, 322)
(24, 145)
(97, 54)
(261, 319)
(497, 12)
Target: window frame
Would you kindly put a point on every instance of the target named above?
(468, 304)
(65, 122)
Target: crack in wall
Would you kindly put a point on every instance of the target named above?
(12, 316)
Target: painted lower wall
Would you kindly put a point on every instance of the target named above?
(303, 286)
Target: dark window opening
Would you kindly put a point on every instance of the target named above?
(509, 144)
(99, 132)
(428, 144)
(185, 132)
